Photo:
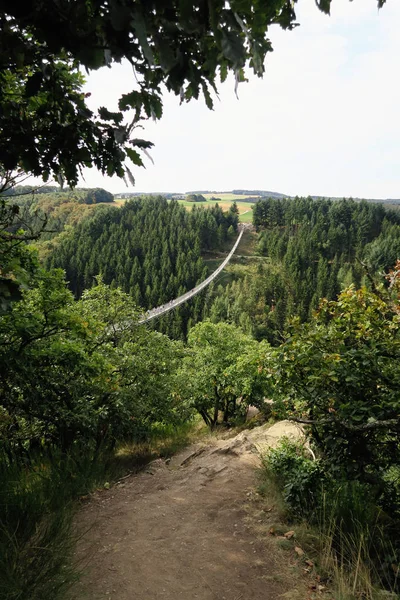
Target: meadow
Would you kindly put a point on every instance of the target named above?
(225, 201)
(229, 197)
(245, 208)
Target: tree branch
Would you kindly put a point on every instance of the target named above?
(389, 423)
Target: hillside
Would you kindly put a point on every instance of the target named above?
(50, 209)
(307, 249)
(248, 194)
(150, 247)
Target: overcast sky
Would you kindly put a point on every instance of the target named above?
(324, 120)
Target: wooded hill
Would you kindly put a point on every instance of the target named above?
(49, 209)
(312, 249)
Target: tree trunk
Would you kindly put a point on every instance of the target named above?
(216, 409)
(206, 417)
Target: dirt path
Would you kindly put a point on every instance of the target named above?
(185, 530)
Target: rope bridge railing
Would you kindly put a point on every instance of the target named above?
(164, 308)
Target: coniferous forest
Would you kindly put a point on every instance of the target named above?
(313, 249)
(150, 248)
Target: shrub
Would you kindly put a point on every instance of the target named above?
(360, 541)
(299, 478)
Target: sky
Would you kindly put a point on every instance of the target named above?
(324, 120)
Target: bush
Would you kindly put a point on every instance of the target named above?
(299, 478)
(360, 541)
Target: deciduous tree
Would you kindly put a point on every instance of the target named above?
(341, 375)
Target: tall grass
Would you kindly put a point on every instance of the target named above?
(35, 532)
(358, 543)
(358, 551)
(163, 441)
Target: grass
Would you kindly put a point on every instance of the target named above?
(245, 208)
(164, 442)
(246, 217)
(228, 197)
(36, 541)
(247, 243)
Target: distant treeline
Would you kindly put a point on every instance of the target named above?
(195, 198)
(261, 193)
(22, 190)
(80, 195)
(169, 195)
(312, 249)
(389, 201)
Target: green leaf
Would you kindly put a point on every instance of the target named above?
(135, 158)
(223, 72)
(166, 55)
(141, 143)
(207, 96)
(324, 5)
(131, 100)
(107, 115)
(130, 176)
(233, 49)
(141, 32)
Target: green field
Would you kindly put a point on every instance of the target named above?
(245, 208)
(228, 197)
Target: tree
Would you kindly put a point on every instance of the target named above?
(80, 373)
(234, 208)
(220, 372)
(341, 374)
(18, 264)
(46, 125)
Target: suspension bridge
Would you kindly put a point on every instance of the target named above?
(164, 308)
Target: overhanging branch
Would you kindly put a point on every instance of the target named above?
(388, 423)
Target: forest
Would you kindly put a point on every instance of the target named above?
(151, 248)
(313, 325)
(313, 249)
(306, 327)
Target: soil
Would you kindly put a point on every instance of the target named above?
(187, 528)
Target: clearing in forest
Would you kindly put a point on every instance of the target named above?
(193, 527)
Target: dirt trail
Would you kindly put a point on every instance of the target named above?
(184, 530)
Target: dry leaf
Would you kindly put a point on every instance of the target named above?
(299, 551)
(309, 563)
(289, 534)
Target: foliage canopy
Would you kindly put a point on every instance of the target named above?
(221, 372)
(340, 374)
(47, 127)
